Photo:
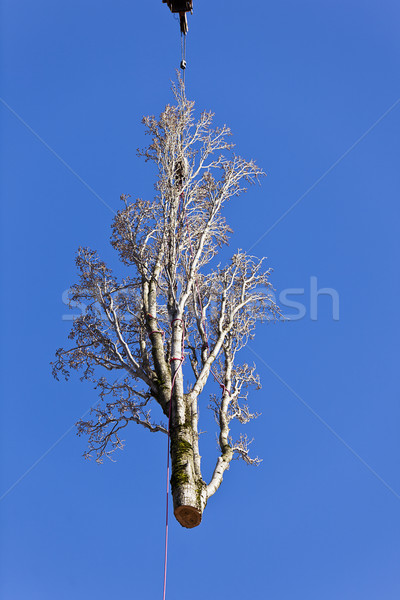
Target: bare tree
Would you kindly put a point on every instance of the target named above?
(169, 307)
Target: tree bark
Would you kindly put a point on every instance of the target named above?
(188, 490)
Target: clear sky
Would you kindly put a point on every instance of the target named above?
(305, 86)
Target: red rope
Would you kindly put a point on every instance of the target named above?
(155, 330)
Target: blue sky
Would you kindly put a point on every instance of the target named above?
(299, 84)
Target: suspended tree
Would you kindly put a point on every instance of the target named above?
(177, 320)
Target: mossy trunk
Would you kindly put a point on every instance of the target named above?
(188, 491)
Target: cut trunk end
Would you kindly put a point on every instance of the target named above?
(189, 502)
(188, 516)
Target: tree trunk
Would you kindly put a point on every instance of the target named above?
(188, 491)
